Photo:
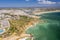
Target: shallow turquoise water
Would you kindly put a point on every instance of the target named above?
(1, 31)
(49, 30)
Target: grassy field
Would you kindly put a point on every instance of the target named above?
(19, 26)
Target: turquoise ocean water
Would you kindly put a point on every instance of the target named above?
(49, 30)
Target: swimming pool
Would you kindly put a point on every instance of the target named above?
(2, 31)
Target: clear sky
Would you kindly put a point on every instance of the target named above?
(29, 3)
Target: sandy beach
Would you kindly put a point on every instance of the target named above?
(39, 13)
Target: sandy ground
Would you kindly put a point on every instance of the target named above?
(14, 37)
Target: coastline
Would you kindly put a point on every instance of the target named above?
(32, 25)
(39, 13)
